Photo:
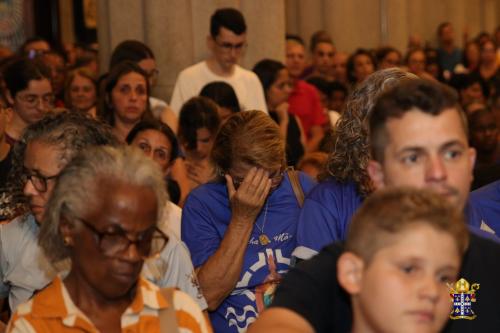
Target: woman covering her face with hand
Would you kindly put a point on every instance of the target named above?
(240, 229)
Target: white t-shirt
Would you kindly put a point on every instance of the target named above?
(244, 82)
(171, 221)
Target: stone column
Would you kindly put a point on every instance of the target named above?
(176, 31)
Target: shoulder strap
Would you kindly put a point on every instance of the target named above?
(168, 319)
(297, 188)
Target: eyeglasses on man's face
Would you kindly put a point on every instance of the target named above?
(276, 178)
(149, 243)
(32, 100)
(228, 47)
(38, 180)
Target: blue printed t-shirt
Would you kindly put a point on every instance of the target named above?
(485, 202)
(205, 218)
(325, 216)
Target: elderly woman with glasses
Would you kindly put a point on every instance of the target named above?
(45, 149)
(103, 217)
(241, 229)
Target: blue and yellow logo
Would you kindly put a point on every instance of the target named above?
(463, 295)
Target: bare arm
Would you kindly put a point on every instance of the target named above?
(317, 134)
(303, 140)
(199, 172)
(220, 273)
(280, 320)
(179, 174)
(283, 119)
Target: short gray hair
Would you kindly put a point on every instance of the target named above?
(78, 184)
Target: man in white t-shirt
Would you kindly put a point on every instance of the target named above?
(227, 42)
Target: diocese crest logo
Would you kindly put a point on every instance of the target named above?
(463, 295)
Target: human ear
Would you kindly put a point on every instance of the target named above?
(9, 97)
(472, 157)
(350, 272)
(376, 174)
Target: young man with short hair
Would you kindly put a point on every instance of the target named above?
(227, 42)
(322, 52)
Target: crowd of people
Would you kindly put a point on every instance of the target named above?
(293, 197)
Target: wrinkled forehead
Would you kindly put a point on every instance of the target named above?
(449, 124)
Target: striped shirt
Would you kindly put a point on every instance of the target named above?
(52, 310)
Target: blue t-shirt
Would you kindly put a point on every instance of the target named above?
(205, 217)
(325, 216)
(329, 207)
(485, 203)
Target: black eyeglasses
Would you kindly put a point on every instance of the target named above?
(33, 100)
(149, 244)
(275, 177)
(38, 180)
(227, 47)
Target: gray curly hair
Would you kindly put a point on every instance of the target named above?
(78, 184)
(351, 153)
(70, 131)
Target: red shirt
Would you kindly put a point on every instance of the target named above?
(305, 103)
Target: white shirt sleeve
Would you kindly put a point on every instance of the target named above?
(177, 99)
(174, 269)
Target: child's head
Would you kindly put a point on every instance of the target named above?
(403, 247)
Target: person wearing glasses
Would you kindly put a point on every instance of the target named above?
(29, 93)
(39, 157)
(46, 147)
(240, 228)
(227, 43)
(102, 217)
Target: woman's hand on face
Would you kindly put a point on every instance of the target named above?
(199, 172)
(282, 112)
(248, 199)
